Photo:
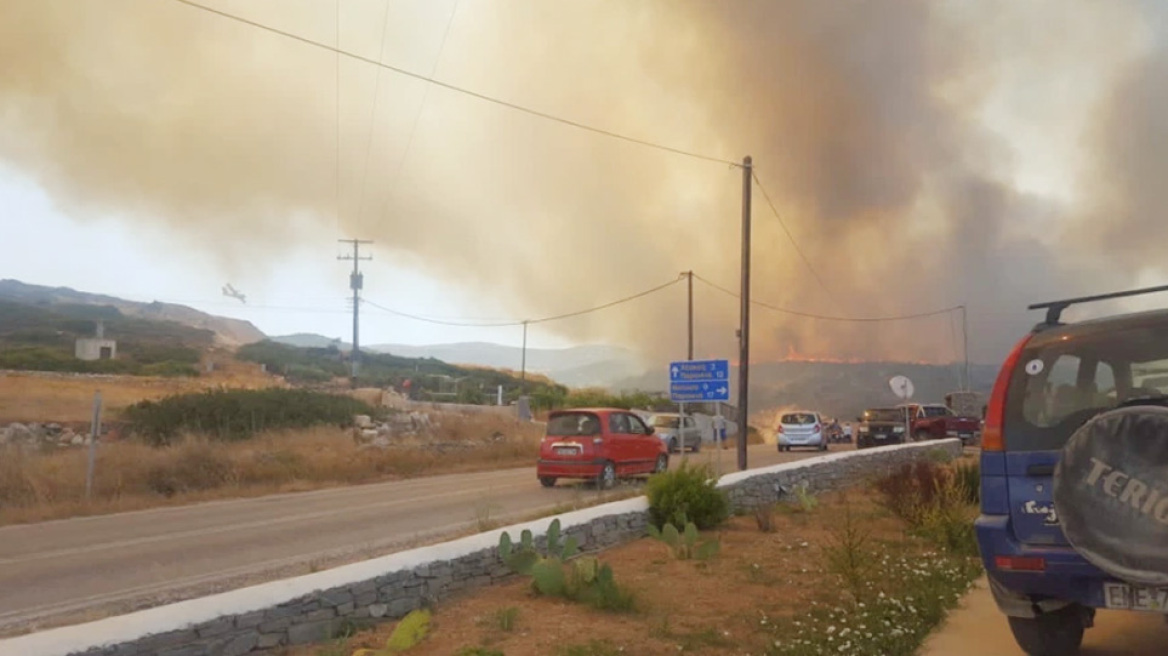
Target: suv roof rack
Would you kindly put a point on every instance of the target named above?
(1054, 309)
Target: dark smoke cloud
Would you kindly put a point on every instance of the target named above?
(225, 134)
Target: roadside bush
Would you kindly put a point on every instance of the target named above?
(937, 502)
(229, 415)
(969, 476)
(687, 492)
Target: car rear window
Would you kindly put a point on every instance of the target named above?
(1062, 381)
(798, 419)
(573, 423)
(936, 411)
(884, 414)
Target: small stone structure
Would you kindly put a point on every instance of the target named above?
(96, 347)
(313, 607)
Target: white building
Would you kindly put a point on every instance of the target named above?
(96, 347)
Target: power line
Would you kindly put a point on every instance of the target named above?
(791, 237)
(464, 91)
(822, 317)
(395, 181)
(504, 324)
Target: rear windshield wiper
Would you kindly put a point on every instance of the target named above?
(1147, 399)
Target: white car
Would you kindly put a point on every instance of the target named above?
(802, 428)
(677, 438)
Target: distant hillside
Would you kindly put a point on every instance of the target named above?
(226, 332)
(580, 366)
(838, 389)
(311, 340)
(42, 338)
(430, 379)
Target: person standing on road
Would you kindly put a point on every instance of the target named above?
(848, 432)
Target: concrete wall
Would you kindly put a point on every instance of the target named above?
(313, 607)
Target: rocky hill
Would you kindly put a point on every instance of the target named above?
(227, 332)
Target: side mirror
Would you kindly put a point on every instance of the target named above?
(649, 430)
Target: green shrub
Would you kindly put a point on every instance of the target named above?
(687, 492)
(684, 544)
(583, 579)
(406, 635)
(228, 415)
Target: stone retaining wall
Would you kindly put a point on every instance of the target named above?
(314, 607)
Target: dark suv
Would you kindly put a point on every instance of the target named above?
(1074, 475)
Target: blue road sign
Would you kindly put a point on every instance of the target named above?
(699, 380)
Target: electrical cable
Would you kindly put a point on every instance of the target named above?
(451, 87)
(791, 237)
(822, 317)
(557, 317)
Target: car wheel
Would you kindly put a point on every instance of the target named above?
(673, 445)
(662, 464)
(547, 481)
(607, 477)
(823, 446)
(697, 447)
(1059, 633)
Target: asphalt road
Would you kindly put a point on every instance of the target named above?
(72, 570)
(978, 629)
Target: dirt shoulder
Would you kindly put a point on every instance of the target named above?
(978, 629)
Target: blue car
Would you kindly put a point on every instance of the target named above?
(1074, 475)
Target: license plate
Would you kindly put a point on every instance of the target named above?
(565, 451)
(1122, 596)
(967, 435)
(880, 437)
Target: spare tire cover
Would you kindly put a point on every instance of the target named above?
(1111, 493)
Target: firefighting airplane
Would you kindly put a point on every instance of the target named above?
(228, 290)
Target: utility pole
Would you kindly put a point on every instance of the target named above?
(523, 364)
(689, 295)
(744, 322)
(965, 345)
(356, 283)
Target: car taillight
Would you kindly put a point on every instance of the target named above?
(780, 428)
(816, 429)
(991, 438)
(1020, 563)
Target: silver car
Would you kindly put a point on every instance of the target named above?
(687, 436)
(802, 428)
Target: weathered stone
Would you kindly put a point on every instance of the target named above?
(310, 632)
(378, 610)
(188, 650)
(336, 597)
(365, 598)
(269, 640)
(250, 620)
(215, 627)
(320, 614)
(239, 645)
(346, 609)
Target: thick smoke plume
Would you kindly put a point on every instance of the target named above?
(862, 118)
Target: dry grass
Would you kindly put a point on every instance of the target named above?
(29, 396)
(130, 476)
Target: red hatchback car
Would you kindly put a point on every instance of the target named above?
(600, 444)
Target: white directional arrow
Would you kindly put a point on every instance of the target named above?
(676, 370)
(722, 389)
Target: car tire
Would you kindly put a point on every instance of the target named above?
(662, 464)
(697, 447)
(673, 445)
(607, 476)
(547, 481)
(1059, 633)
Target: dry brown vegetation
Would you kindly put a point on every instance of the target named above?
(36, 486)
(40, 397)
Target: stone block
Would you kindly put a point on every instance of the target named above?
(300, 634)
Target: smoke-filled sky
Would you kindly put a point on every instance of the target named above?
(923, 154)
